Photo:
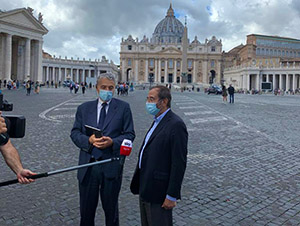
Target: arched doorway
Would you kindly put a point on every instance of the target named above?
(128, 74)
(212, 77)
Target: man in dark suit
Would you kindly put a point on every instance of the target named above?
(114, 118)
(162, 161)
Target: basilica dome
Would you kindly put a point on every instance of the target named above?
(169, 30)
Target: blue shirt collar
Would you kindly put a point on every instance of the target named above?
(159, 118)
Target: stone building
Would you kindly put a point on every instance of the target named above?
(21, 41)
(60, 69)
(22, 57)
(166, 56)
(264, 59)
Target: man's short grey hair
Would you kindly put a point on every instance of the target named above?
(107, 75)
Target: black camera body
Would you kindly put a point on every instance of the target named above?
(15, 123)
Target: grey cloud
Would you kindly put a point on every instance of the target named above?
(97, 23)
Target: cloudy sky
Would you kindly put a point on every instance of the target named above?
(93, 28)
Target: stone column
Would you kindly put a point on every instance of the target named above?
(27, 57)
(8, 57)
(65, 72)
(166, 70)
(155, 70)
(89, 73)
(194, 71)
(257, 82)
(39, 60)
(274, 81)
(294, 82)
(136, 73)
(159, 71)
(287, 82)
(205, 72)
(175, 71)
(47, 73)
(83, 75)
(123, 70)
(59, 74)
(71, 74)
(267, 77)
(280, 81)
(77, 75)
(146, 70)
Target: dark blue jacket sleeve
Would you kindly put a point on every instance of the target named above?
(127, 130)
(78, 137)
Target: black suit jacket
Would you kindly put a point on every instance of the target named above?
(118, 125)
(163, 161)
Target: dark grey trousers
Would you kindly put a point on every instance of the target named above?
(94, 184)
(154, 215)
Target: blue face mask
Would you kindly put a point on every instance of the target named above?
(105, 95)
(151, 108)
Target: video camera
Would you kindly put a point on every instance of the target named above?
(15, 123)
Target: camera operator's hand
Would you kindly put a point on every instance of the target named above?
(22, 176)
(3, 128)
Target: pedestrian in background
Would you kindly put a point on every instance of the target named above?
(224, 93)
(231, 94)
(37, 88)
(28, 88)
(83, 88)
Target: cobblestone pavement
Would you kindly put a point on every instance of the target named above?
(243, 162)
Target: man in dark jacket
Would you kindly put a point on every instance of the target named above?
(114, 118)
(231, 94)
(162, 161)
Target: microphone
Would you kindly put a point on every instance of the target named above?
(126, 147)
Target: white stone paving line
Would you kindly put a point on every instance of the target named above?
(44, 113)
(210, 119)
(198, 113)
(64, 109)
(191, 107)
(73, 104)
(185, 103)
(55, 117)
(248, 127)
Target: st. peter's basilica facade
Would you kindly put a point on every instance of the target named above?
(163, 58)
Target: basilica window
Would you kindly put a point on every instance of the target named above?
(163, 64)
(151, 63)
(130, 47)
(212, 63)
(170, 63)
(162, 79)
(178, 64)
(129, 63)
(258, 51)
(213, 49)
(190, 63)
